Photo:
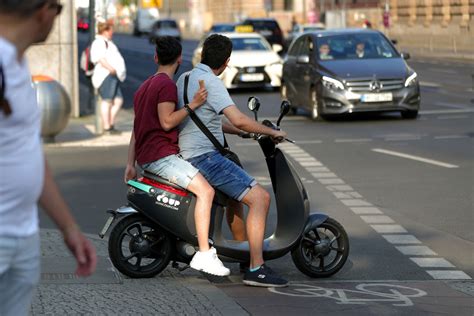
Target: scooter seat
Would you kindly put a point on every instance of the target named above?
(159, 179)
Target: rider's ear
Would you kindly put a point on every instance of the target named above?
(155, 57)
(180, 59)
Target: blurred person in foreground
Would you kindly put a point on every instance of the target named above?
(25, 178)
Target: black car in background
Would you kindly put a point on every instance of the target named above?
(347, 71)
(268, 28)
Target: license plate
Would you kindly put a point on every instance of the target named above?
(376, 97)
(251, 77)
(106, 226)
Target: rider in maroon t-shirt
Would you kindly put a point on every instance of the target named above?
(154, 145)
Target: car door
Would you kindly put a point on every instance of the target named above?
(303, 70)
(290, 73)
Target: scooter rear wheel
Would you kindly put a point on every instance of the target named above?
(139, 249)
(322, 251)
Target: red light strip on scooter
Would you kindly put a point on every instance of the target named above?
(159, 185)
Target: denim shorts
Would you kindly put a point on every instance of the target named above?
(110, 88)
(224, 174)
(174, 169)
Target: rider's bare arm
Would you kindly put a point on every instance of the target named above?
(130, 171)
(241, 121)
(228, 128)
(169, 118)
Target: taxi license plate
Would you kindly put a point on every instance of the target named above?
(251, 77)
(376, 97)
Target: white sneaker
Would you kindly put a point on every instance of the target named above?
(208, 262)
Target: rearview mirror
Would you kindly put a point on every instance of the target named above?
(253, 104)
(284, 109)
(303, 59)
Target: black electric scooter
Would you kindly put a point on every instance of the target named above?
(157, 225)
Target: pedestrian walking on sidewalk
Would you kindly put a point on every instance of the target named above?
(25, 178)
(109, 73)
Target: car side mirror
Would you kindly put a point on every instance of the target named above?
(277, 48)
(405, 55)
(303, 59)
(394, 41)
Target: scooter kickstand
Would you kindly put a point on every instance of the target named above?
(177, 267)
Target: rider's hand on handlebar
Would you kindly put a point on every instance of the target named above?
(130, 173)
(278, 136)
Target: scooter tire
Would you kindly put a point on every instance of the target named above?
(133, 240)
(316, 245)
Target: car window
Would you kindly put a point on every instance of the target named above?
(242, 43)
(355, 46)
(222, 28)
(168, 24)
(306, 46)
(295, 48)
(263, 25)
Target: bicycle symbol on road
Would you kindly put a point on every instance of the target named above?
(364, 293)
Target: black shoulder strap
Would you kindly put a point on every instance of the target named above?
(198, 121)
(4, 105)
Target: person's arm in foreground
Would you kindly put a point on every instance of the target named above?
(130, 170)
(169, 118)
(54, 205)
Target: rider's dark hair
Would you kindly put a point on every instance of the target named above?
(216, 50)
(21, 8)
(168, 49)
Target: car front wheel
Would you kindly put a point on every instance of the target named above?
(409, 114)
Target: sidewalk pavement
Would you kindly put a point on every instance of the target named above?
(108, 292)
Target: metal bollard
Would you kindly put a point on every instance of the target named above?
(55, 106)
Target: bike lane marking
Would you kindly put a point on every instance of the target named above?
(392, 232)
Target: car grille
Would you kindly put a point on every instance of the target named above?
(374, 85)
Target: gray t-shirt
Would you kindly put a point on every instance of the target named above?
(192, 141)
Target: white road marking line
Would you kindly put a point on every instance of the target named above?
(297, 155)
(417, 158)
(416, 251)
(450, 136)
(448, 275)
(429, 84)
(304, 159)
(397, 139)
(377, 219)
(317, 169)
(446, 111)
(452, 117)
(366, 210)
(356, 202)
(345, 187)
(348, 195)
(353, 140)
(331, 181)
(311, 164)
(452, 105)
(315, 141)
(432, 262)
(401, 239)
(384, 229)
(318, 175)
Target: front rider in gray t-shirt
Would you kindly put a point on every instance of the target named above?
(220, 172)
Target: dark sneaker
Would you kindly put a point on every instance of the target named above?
(264, 277)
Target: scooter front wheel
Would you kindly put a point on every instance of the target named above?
(138, 249)
(322, 251)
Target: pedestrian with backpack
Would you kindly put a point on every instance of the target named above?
(109, 72)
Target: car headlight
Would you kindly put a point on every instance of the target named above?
(276, 68)
(332, 83)
(411, 80)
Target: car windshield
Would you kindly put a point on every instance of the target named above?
(168, 25)
(222, 28)
(242, 43)
(354, 46)
(263, 25)
(311, 28)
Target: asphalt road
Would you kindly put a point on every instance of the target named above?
(409, 178)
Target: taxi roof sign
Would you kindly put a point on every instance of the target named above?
(244, 28)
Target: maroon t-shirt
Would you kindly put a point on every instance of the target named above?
(151, 141)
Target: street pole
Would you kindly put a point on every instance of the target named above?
(92, 91)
